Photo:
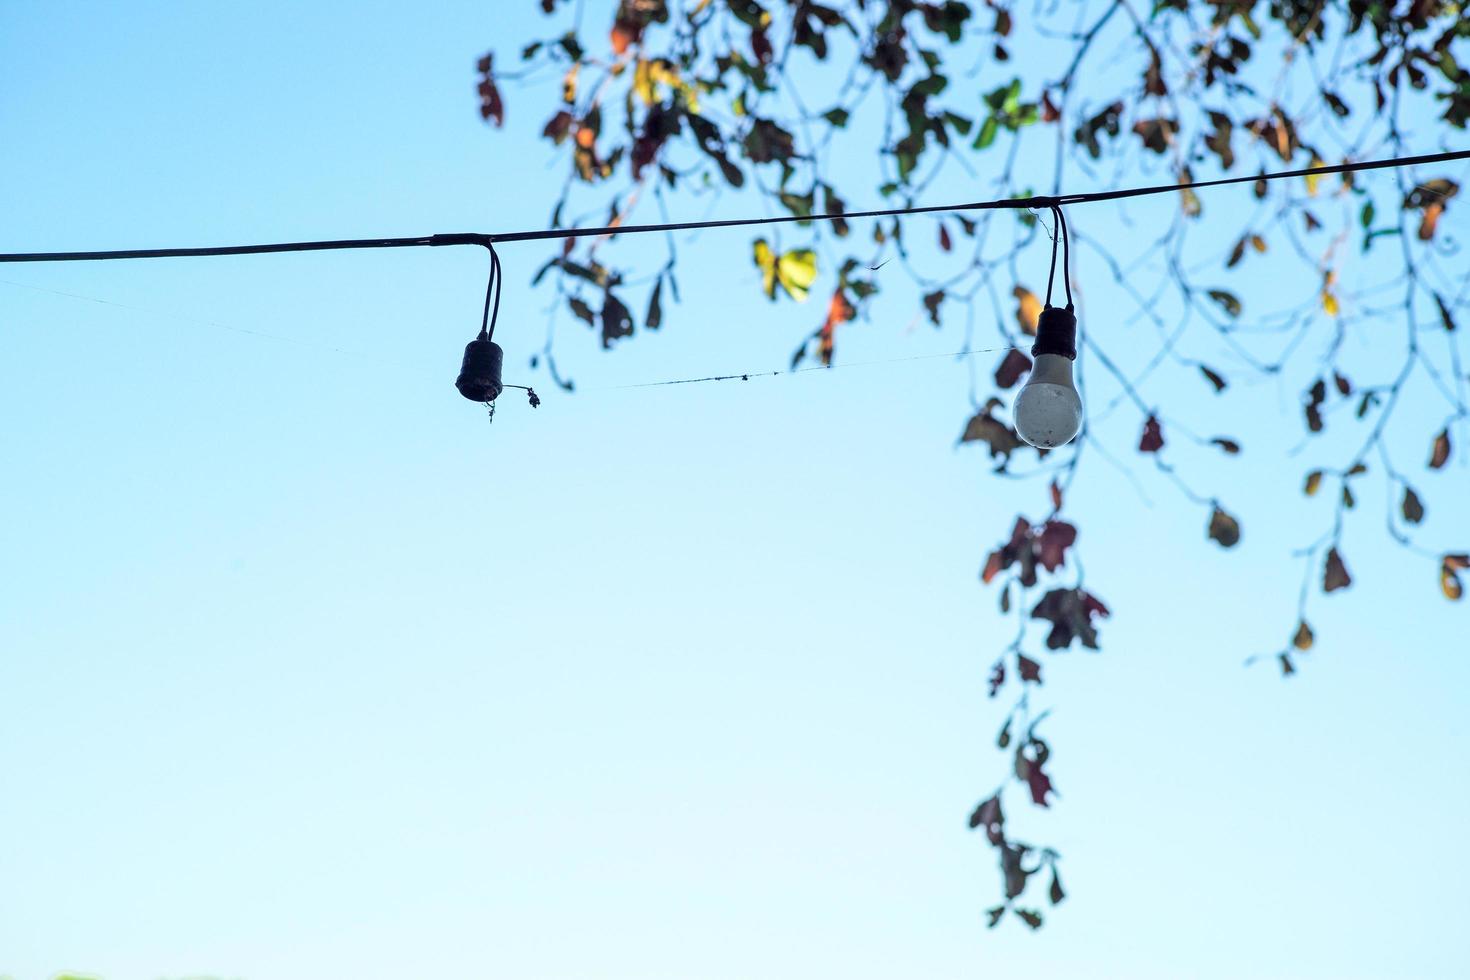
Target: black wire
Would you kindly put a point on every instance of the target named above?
(1066, 255)
(499, 281)
(1055, 234)
(565, 233)
(492, 288)
(169, 253)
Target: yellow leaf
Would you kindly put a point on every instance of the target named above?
(643, 83)
(1329, 303)
(1314, 481)
(569, 84)
(1258, 243)
(797, 270)
(1028, 311)
(1314, 179)
(1450, 583)
(765, 260)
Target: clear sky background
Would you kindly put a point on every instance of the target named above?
(306, 670)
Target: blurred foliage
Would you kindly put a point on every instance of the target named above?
(658, 97)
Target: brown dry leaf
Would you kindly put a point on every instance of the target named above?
(1413, 508)
(1335, 574)
(1303, 638)
(1440, 455)
(1224, 529)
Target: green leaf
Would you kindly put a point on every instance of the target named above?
(987, 133)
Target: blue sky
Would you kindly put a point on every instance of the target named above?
(307, 670)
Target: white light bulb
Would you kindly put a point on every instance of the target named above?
(1048, 410)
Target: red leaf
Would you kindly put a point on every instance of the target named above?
(1056, 496)
(492, 107)
(1049, 110)
(760, 46)
(1052, 544)
(1039, 783)
(1153, 436)
(1012, 367)
(944, 241)
(1030, 669)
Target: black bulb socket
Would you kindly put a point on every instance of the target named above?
(1056, 333)
(479, 376)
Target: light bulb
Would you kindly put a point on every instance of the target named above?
(1048, 410)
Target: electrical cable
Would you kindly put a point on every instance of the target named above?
(1056, 232)
(492, 312)
(1066, 255)
(485, 240)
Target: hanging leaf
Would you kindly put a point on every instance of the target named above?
(1412, 507)
(1029, 669)
(1153, 436)
(765, 260)
(617, 321)
(794, 271)
(1032, 919)
(1449, 581)
(1314, 179)
(1335, 574)
(1440, 454)
(797, 270)
(1227, 445)
(581, 310)
(1224, 528)
(1028, 309)
(1012, 368)
(932, 302)
(492, 106)
(1314, 483)
(1236, 254)
(1228, 301)
(995, 914)
(1055, 893)
(1444, 313)
(1213, 378)
(985, 427)
(1303, 638)
(655, 306)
